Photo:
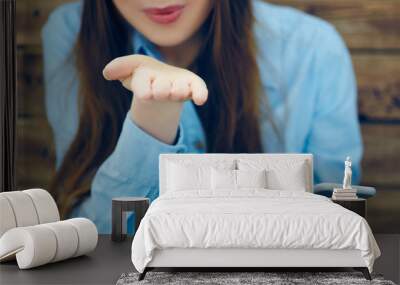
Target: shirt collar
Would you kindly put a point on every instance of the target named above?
(141, 45)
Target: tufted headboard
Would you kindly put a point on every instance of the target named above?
(165, 158)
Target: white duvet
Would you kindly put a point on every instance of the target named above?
(250, 219)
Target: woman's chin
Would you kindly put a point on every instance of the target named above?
(168, 40)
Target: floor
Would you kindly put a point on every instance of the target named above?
(110, 260)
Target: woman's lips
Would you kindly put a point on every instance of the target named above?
(165, 15)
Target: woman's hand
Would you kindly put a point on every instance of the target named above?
(159, 89)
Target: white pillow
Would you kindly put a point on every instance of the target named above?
(251, 178)
(223, 179)
(235, 179)
(291, 180)
(289, 175)
(188, 175)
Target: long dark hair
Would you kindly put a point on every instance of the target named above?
(227, 63)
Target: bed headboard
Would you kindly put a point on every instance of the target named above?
(165, 158)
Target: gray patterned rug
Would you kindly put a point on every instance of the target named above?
(231, 278)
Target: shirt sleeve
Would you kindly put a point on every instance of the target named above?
(132, 168)
(335, 131)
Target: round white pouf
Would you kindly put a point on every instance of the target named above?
(67, 240)
(33, 246)
(41, 244)
(23, 208)
(45, 205)
(87, 234)
(7, 218)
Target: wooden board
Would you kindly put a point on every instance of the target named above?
(31, 16)
(381, 155)
(35, 155)
(365, 24)
(384, 212)
(30, 87)
(378, 77)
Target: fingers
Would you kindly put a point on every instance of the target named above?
(180, 89)
(148, 84)
(199, 91)
(149, 79)
(141, 84)
(127, 82)
(124, 66)
(161, 88)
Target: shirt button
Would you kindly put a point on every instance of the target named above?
(199, 145)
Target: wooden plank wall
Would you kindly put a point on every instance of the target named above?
(371, 29)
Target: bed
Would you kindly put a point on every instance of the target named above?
(246, 211)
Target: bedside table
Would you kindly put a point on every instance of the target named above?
(358, 206)
(122, 205)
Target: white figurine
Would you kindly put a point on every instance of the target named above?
(347, 173)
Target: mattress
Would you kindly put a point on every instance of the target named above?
(250, 219)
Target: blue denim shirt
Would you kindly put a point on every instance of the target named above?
(306, 74)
